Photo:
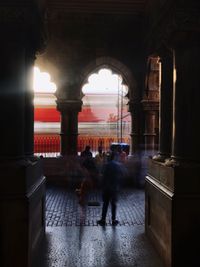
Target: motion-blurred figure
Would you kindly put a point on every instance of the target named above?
(89, 181)
(100, 159)
(86, 153)
(112, 175)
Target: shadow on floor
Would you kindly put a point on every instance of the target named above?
(71, 244)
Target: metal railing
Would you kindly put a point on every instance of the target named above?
(49, 145)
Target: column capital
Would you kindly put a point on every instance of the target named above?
(68, 90)
(69, 105)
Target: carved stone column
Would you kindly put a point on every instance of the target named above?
(150, 104)
(149, 134)
(186, 127)
(135, 138)
(165, 106)
(172, 193)
(150, 109)
(12, 102)
(29, 108)
(22, 184)
(69, 110)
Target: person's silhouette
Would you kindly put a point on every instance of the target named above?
(112, 174)
(86, 152)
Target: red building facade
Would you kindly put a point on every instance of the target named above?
(100, 123)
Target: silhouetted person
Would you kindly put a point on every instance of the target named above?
(100, 159)
(112, 175)
(122, 156)
(86, 153)
(89, 181)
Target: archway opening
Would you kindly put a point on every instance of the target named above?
(46, 116)
(104, 118)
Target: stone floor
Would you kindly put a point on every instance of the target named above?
(73, 239)
(62, 208)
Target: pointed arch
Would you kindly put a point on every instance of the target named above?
(113, 64)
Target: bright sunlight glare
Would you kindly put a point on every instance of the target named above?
(105, 83)
(42, 82)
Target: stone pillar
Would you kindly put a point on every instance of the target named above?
(22, 184)
(172, 192)
(12, 101)
(69, 110)
(135, 166)
(29, 108)
(165, 106)
(186, 126)
(135, 138)
(150, 117)
(150, 104)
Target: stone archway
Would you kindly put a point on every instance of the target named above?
(116, 66)
(128, 78)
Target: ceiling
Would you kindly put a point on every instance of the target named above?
(125, 7)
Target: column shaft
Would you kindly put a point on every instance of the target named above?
(12, 102)
(150, 130)
(134, 111)
(69, 125)
(165, 107)
(186, 126)
(29, 108)
(69, 133)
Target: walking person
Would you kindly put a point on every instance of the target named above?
(112, 175)
(100, 160)
(89, 181)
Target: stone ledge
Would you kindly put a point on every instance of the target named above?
(20, 177)
(179, 179)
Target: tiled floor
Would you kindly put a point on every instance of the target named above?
(63, 208)
(73, 238)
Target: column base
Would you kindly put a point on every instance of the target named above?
(172, 201)
(22, 207)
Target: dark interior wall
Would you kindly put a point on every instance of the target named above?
(76, 40)
(167, 22)
(155, 24)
